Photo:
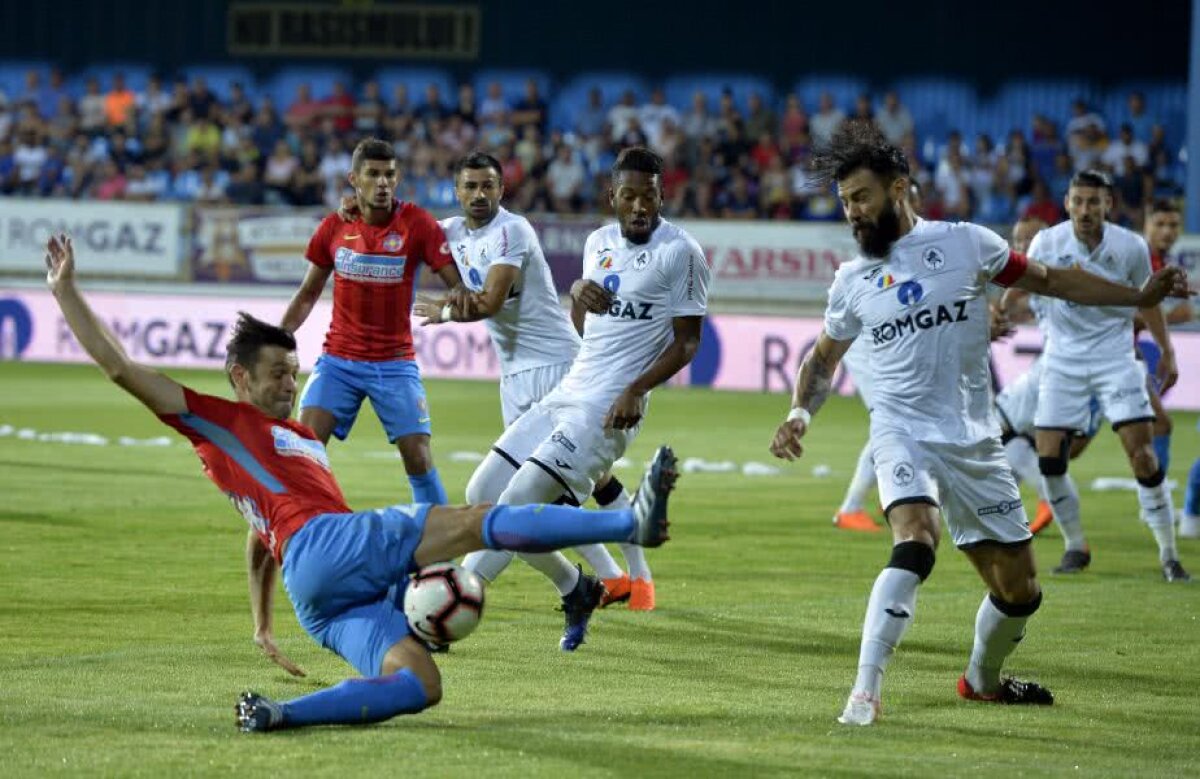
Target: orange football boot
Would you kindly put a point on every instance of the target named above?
(1042, 519)
(859, 521)
(642, 596)
(616, 590)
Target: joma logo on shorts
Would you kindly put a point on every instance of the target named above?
(563, 441)
(921, 320)
(625, 309)
(1003, 507)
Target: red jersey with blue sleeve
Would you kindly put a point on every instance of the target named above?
(275, 471)
(375, 269)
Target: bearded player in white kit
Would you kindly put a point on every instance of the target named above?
(502, 264)
(1090, 351)
(917, 291)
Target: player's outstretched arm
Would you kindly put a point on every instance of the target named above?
(301, 304)
(627, 410)
(159, 393)
(262, 570)
(1079, 286)
(481, 305)
(814, 382)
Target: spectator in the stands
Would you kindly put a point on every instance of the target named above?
(1085, 136)
(1041, 204)
(564, 180)
(1125, 145)
(154, 102)
(653, 115)
(50, 176)
(1130, 182)
(92, 114)
(137, 186)
(213, 183)
(267, 129)
(339, 107)
(774, 191)
(278, 172)
(29, 155)
(303, 112)
(111, 182)
(1136, 116)
(826, 121)
(530, 110)
(1045, 145)
(203, 137)
(335, 163)
(737, 200)
(1058, 179)
(592, 118)
(670, 139)
(622, 114)
(759, 117)
(119, 103)
(239, 108)
(952, 184)
(308, 185)
(894, 119)
(201, 100)
(465, 108)
(402, 104)
(493, 109)
(244, 188)
(863, 112)
(456, 136)
(370, 111)
(699, 124)
(179, 102)
(433, 108)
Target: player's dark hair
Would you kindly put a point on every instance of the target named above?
(371, 149)
(1162, 205)
(858, 145)
(478, 160)
(1092, 178)
(638, 159)
(250, 335)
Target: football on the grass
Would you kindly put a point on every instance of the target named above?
(444, 602)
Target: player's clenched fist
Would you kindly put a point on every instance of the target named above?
(1168, 282)
(786, 443)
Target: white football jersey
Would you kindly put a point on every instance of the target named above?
(652, 283)
(1082, 335)
(531, 329)
(923, 312)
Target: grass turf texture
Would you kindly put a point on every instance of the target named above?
(125, 635)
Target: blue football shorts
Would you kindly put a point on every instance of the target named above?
(395, 389)
(346, 575)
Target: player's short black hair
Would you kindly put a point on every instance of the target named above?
(250, 335)
(478, 160)
(371, 149)
(638, 159)
(1092, 178)
(858, 145)
(1162, 205)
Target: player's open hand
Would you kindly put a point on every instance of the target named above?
(786, 443)
(1167, 372)
(591, 296)
(430, 308)
(60, 262)
(626, 411)
(999, 325)
(348, 211)
(266, 643)
(462, 299)
(1170, 282)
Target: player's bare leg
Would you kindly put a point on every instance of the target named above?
(1014, 595)
(320, 421)
(1153, 495)
(916, 530)
(1053, 448)
(423, 477)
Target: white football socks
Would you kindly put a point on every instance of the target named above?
(1160, 516)
(861, 483)
(889, 614)
(996, 636)
(1064, 502)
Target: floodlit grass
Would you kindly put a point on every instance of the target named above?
(125, 630)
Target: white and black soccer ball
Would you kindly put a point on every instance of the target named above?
(443, 603)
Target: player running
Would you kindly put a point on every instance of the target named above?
(917, 291)
(368, 350)
(345, 572)
(1089, 351)
(640, 307)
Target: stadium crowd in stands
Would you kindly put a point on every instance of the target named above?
(178, 141)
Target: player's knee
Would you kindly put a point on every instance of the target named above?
(1053, 466)
(488, 481)
(433, 691)
(914, 556)
(1162, 425)
(414, 450)
(1145, 465)
(1021, 600)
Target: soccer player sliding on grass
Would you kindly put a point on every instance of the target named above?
(345, 572)
(917, 292)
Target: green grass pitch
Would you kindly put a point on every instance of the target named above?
(125, 632)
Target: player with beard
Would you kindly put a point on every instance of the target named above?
(917, 291)
(1089, 351)
(640, 307)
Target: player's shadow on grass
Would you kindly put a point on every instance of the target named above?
(40, 519)
(119, 472)
(736, 634)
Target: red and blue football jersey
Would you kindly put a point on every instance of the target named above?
(275, 471)
(375, 269)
